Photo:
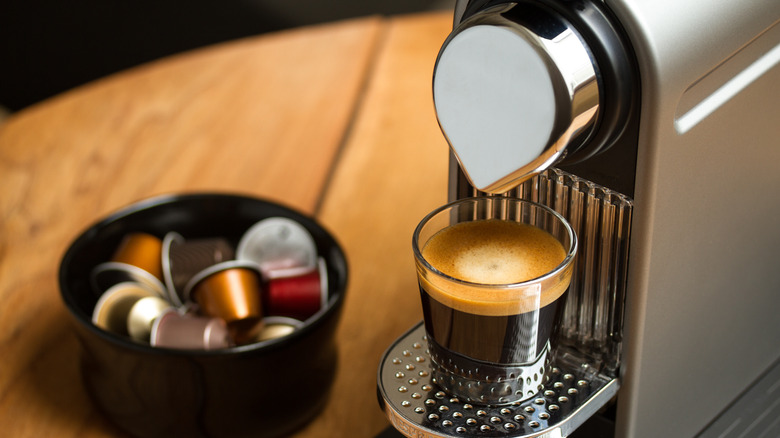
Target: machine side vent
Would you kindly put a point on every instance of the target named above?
(593, 320)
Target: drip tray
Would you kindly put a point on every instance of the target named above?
(418, 408)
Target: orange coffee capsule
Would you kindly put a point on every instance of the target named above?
(231, 291)
(183, 258)
(142, 250)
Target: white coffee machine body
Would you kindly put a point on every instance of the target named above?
(702, 292)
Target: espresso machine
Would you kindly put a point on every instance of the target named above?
(654, 128)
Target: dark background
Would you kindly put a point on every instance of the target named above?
(49, 46)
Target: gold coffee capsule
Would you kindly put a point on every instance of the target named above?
(142, 250)
(275, 327)
(183, 259)
(142, 316)
(174, 330)
(230, 291)
(113, 307)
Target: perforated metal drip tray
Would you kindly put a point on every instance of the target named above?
(418, 408)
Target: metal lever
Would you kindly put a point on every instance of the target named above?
(513, 86)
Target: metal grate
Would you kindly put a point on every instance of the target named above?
(418, 408)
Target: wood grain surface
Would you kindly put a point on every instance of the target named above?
(335, 120)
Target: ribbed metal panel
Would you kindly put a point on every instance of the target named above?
(593, 320)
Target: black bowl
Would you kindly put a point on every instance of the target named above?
(262, 389)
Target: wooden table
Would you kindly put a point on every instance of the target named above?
(336, 121)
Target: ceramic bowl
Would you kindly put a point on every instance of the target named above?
(261, 389)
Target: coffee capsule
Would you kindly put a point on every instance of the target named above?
(275, 327)
(142, 250)
(171, 239)
(114, 305)
(231, 291)
(297, 297)
(280, 247)
(108, 274)
(182, 259)
(174, 330)
(142, 316)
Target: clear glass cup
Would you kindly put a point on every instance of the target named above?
(494, 274)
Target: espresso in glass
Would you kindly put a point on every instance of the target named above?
(493, 275)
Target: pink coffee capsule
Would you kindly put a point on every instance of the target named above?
(174, 330)
(297, 297)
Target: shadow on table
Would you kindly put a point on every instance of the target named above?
(53, 385)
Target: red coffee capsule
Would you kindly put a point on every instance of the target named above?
(231, 291)
(174, 330)
(298, 297)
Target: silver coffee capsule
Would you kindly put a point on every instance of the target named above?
(108, 274)
(142, 316)
(170, 240)
(113, 307)
(280, 246)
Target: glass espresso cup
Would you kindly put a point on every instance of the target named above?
(494, 274)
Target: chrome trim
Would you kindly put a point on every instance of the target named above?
(477, 86)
